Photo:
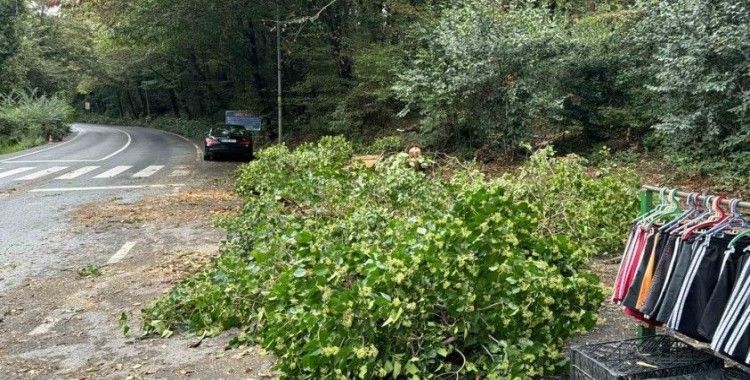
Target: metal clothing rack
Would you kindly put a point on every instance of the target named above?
(646, 202)
(649, 190)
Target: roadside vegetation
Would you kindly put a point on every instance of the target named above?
(474, 78)
(28, 119)
(347, 271)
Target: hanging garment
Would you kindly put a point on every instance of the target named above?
(627, 253)
(662, 273)
(738, 344)
(697, 287)
(640, 271)
(733, 310)
(734, 259)
(648, 276)
(681, 267)
(634, 246)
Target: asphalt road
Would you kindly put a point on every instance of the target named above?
(38, 187)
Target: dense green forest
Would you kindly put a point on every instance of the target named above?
(488, 78)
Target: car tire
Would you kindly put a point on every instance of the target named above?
(207, 156)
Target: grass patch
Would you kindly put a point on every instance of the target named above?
(89, 271)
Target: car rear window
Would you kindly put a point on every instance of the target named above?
(229, 130)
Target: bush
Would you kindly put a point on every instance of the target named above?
(344, 271)
(594, 207)
(504, 76)
(28, 119)
(386, 144)
(698, 76)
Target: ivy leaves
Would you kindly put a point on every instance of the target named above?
(345, 271)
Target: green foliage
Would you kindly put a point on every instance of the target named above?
(505, 76)
(345, 271)
(10, 10)
(594, 207)
(89, 270)
(385, 144)
(28, 119)
(699, 74)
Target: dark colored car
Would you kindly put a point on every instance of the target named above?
(228, 140)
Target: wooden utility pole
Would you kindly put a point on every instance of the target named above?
(278, 65)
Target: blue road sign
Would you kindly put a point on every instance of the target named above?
(243, 118)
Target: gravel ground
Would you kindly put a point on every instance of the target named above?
(67, 326)
(613, 323)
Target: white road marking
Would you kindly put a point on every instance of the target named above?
(15, 171)
(127, 144)
(94, 188)
(60, 314)
(45, 149)
(114, 171)
(43, 173)
(45, 327)
(148, 171)
(179, 173)
(121, 253)
(78, 172)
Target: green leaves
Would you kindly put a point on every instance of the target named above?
(28, 116)
(583, 212)
(355, 272)
(696, 73)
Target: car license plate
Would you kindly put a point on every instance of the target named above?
(228, 140)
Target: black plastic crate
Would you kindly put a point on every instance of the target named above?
(641, 358)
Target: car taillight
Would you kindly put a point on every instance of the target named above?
(211, 141)
(246, 142)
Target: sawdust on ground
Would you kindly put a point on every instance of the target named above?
(191, 205)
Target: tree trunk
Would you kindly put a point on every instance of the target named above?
(173, 102)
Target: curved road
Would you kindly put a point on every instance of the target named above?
(96, 163)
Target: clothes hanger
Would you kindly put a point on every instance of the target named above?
(741, 234)
(672, 207)
(705, 214)
(691, 208)
(699, 213)
(654, 210)
(719, 217)
(733, 217)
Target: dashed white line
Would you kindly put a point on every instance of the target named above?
(114, 171)
(95, 188)
(148, 171)
(179, 173)
(43, 173)
(121, 253)
(78, 172)
(15, 171)
(45, 327)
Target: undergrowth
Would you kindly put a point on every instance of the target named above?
(345, 271)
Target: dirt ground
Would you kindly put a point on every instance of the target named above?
(613, 323)
(67, 326)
